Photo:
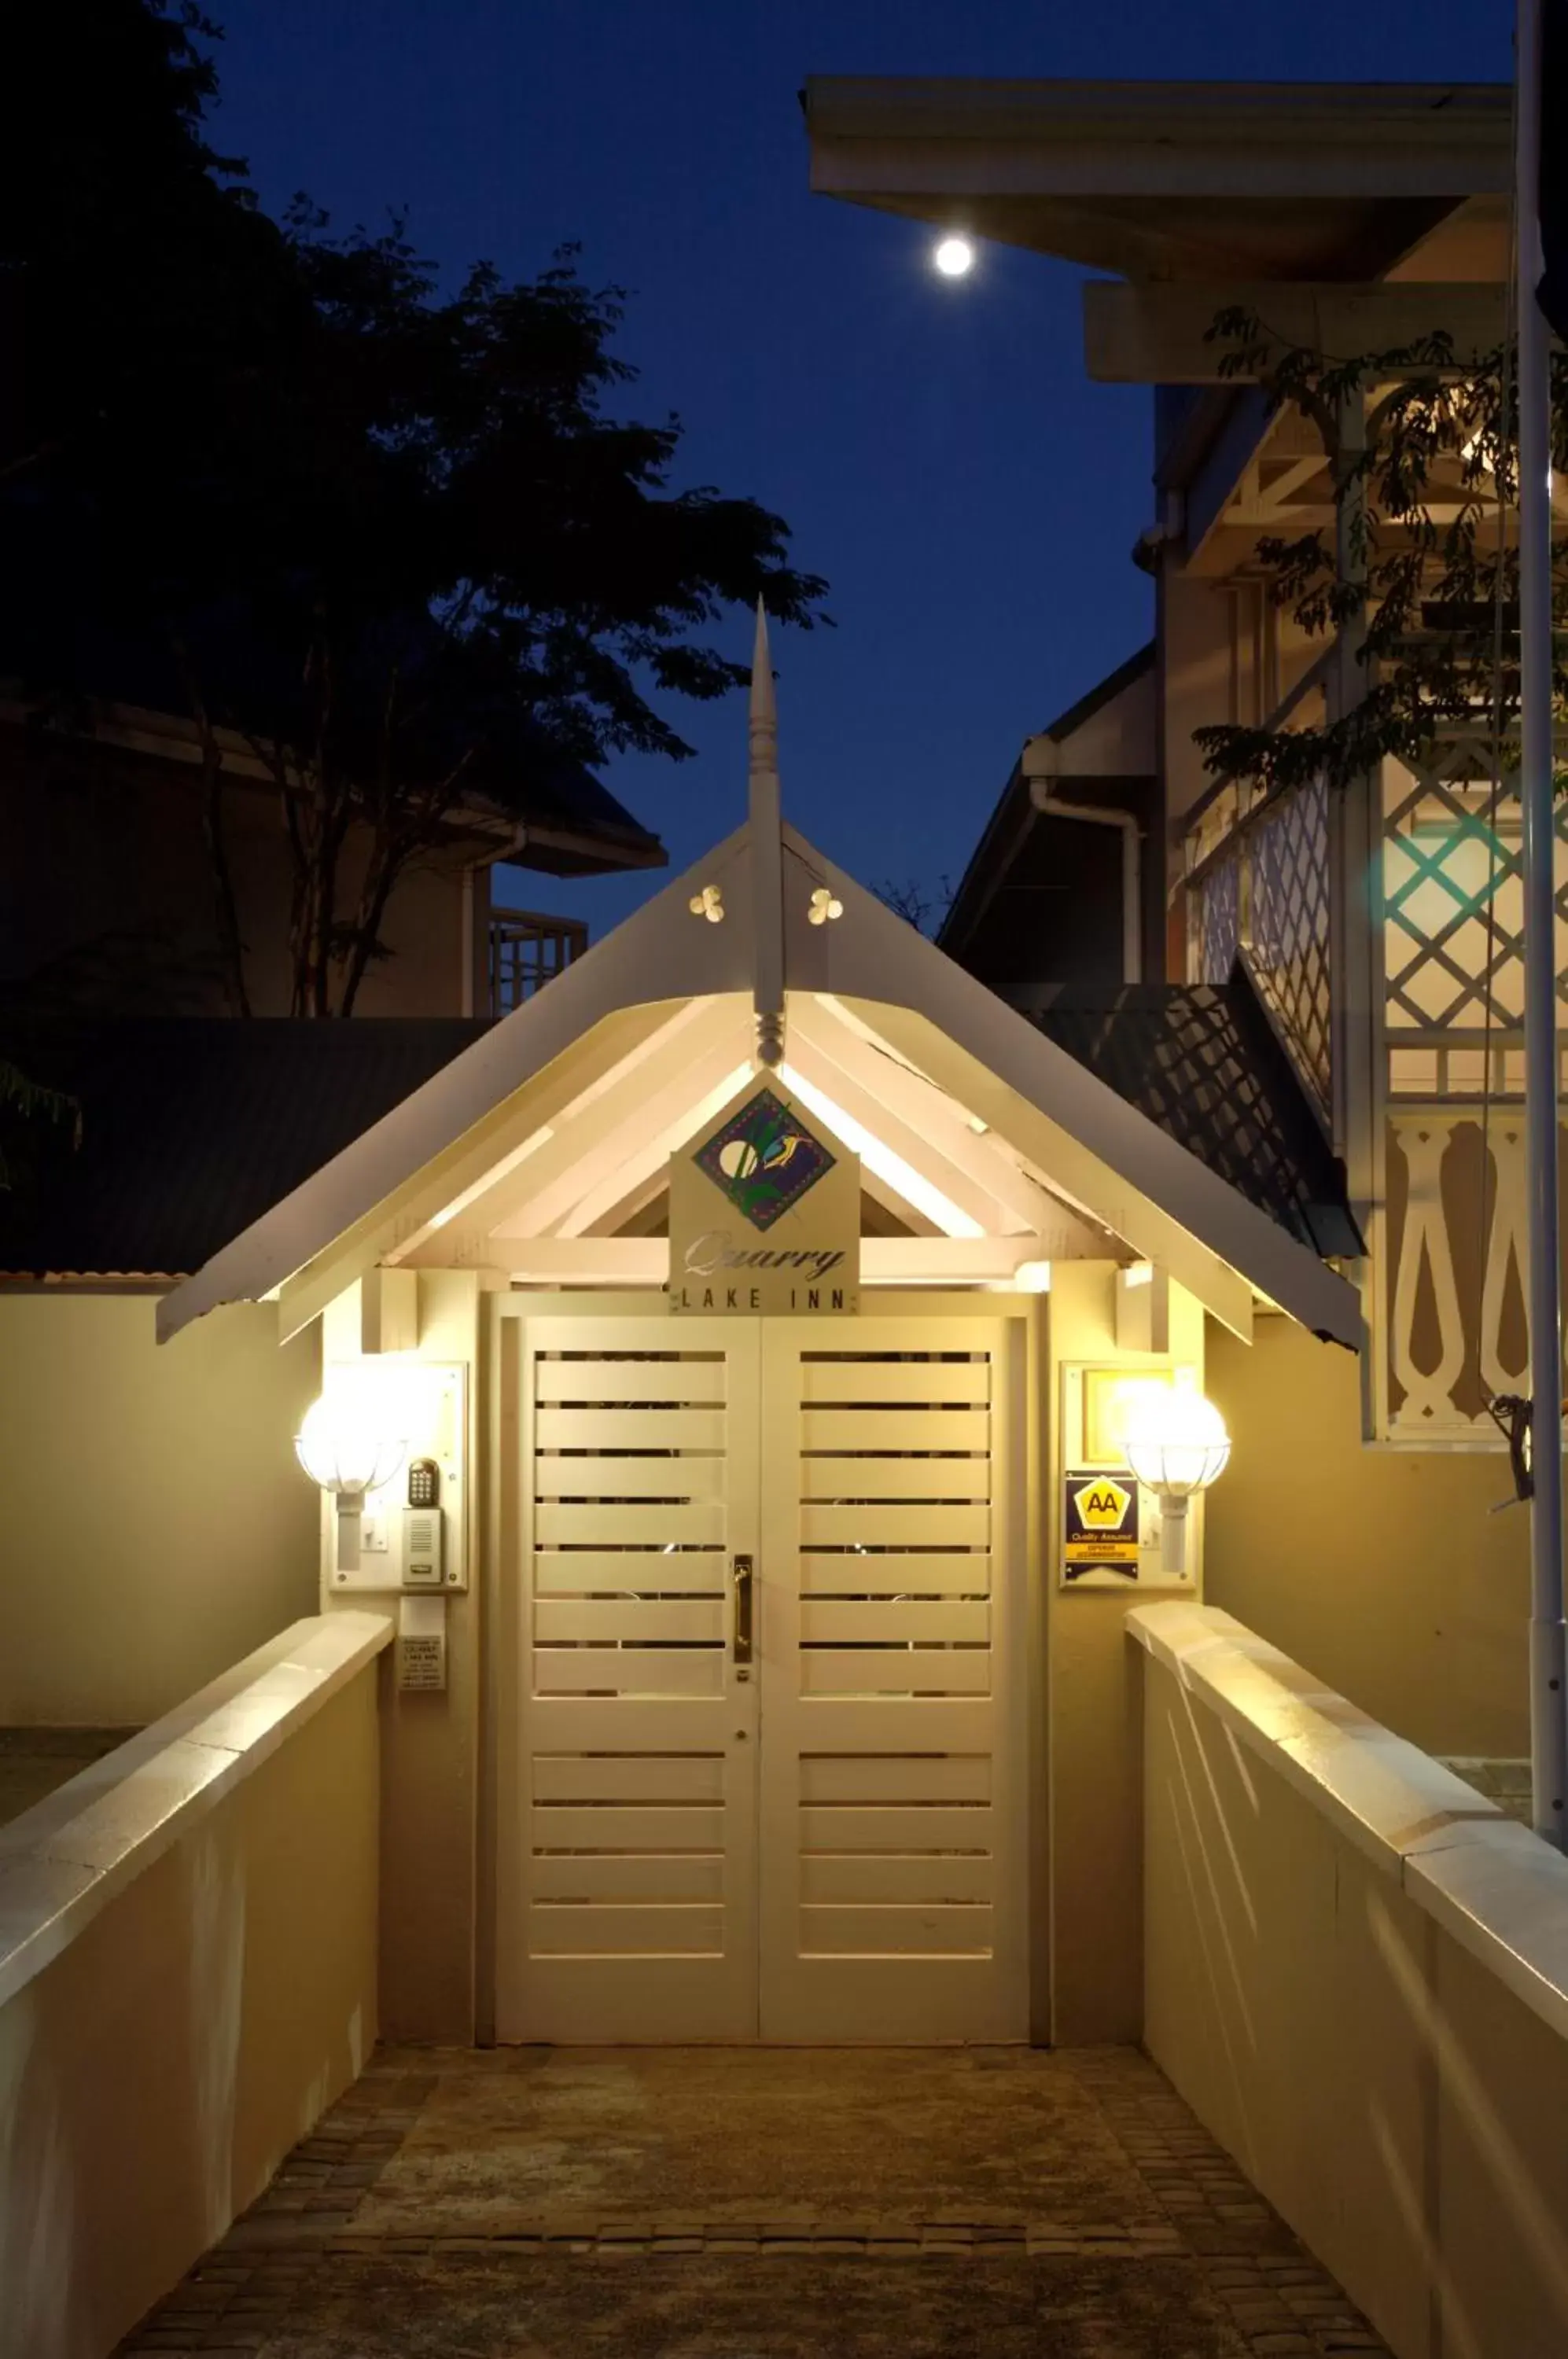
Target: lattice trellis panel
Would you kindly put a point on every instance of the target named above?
(1267, 892)
(1287, 925)
(1453, 935)
(1215, 908)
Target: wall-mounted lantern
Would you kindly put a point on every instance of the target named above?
(347, 1443)
(1176, 1445)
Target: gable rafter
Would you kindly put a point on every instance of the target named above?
(588, 1138)
(979, 1172)
(309, 1284)
(646, 1145)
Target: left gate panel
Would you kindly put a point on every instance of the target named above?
(628, 1884)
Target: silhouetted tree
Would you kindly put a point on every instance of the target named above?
(389, 534)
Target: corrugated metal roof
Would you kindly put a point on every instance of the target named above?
(193, 1128)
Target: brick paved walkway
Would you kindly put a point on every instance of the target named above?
(757, 2204)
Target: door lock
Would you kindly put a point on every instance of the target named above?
(741, 1575)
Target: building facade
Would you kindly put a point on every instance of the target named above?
(109, 904)
(1376, 927)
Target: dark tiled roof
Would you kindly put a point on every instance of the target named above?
(192, 1129)
(1201, 1062)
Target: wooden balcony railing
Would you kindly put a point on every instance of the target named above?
(525, 952)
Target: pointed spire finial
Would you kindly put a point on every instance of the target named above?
(767, 856)
(764, 715)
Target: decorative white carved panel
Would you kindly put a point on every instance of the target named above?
(1426, 1379)
(1451, 1295)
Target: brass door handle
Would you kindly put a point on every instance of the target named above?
(741, 1574)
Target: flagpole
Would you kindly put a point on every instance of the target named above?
(1548, 1717)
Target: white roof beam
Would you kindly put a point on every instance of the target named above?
(592, 1136)
(646, 1152)
(473, 1212)
(860, 1069)
(922, 1151)
(1146, 1227)
(308, 1285)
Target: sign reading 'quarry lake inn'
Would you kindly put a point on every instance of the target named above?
(765, 1215)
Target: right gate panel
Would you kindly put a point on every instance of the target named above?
(892, 1864)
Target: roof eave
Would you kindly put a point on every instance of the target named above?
(1142, 180)
(658, 955)
(1150, 1190)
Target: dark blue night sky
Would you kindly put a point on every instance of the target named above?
(935, 446)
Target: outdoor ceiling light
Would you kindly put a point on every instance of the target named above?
(955, 258)
(1176, 1445)
(345, 1443)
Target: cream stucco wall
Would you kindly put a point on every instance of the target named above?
(1357, 1978)
(154, 1526)
(174, 2016)
(432, 1899)
(1092, 1713)
(1383, 1570)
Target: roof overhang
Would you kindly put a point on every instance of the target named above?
(1108, 734)
(1171, 181)
(487, 834)
(549, 1125)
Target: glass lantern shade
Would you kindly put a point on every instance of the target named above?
(1176, 1442)
(1176, 1445)
(342, 1446)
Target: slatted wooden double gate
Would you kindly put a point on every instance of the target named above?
(768, 1760)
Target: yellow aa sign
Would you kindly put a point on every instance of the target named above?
(1099, 1527)
(1103, 1506)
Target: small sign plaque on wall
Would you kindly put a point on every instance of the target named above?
(764, 1213)
(421, 1645)
(1099, 1525)
(1112, 1527)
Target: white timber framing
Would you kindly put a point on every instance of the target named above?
(597, 1133)
(991, 1146)
(602, 1160)
(650, 1152)
(924, 1123)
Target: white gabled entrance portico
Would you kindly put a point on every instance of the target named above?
(765, 1776)
(599, 1829)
